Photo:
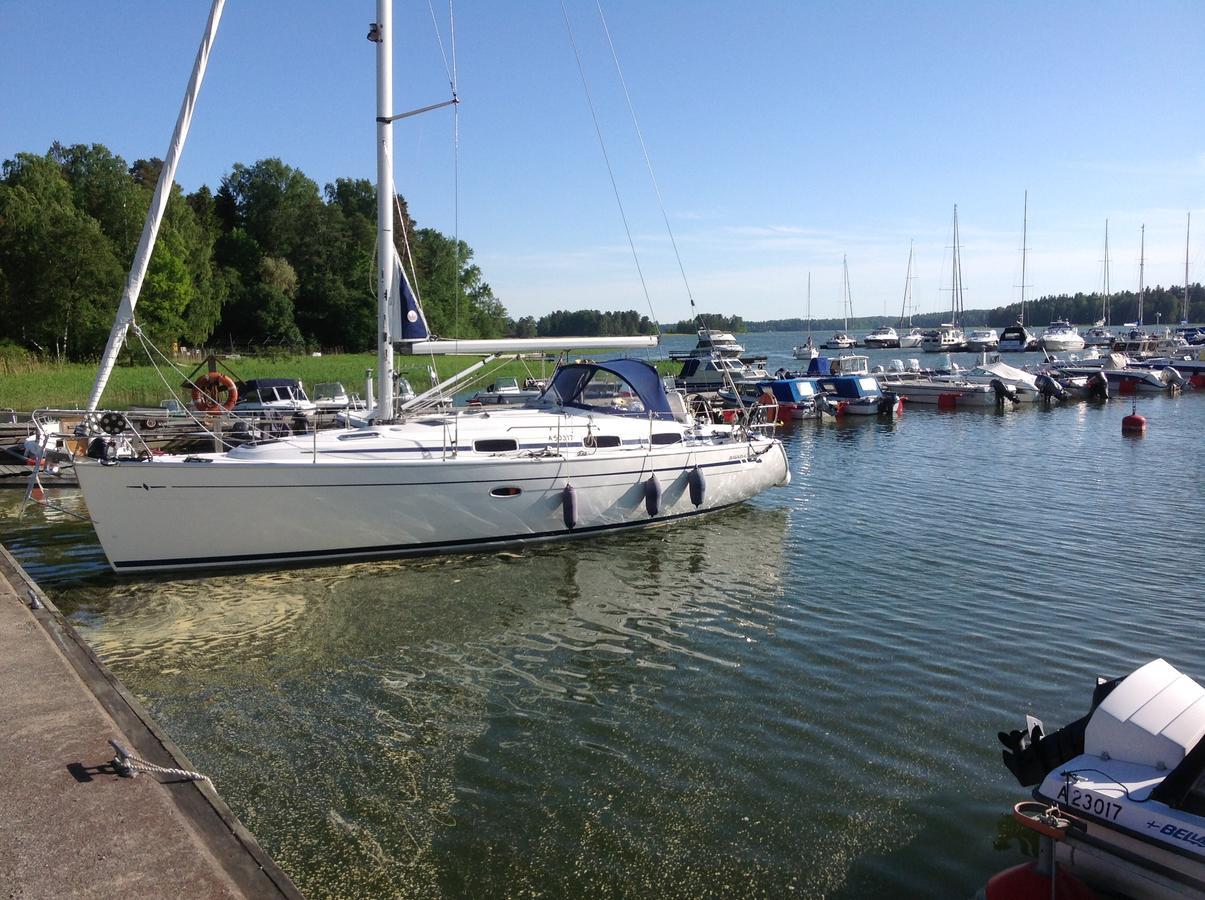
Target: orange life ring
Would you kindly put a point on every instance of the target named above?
(208, 391)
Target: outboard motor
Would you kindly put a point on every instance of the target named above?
(1098, 386)
(888, 403)
(1049, 388)
(1004, 391)
(1173, 379)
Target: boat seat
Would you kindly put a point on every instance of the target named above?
(1152, 718)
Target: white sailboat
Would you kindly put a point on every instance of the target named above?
(949, 337)
(807, 350)
(841, 339)
(1100, 335)
(912, 339)
(1017, 338)
(604, 447)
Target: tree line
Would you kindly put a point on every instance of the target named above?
(268, 259)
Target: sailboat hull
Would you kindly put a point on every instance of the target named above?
(156, 515)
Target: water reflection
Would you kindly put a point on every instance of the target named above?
(342, 710)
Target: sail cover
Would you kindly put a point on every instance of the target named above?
(406, 319)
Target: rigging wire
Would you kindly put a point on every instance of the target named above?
(647, 159)
(451, 71)
(602, 146)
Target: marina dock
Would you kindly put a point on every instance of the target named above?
(74, 826)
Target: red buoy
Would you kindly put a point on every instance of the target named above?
(1133, 423)
(1026, 882)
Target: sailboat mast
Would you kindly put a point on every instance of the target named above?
(809, 309)
(1024, 248)
(1105, 303)
(383, 36)
(845, 305)
(1187, 233)
(907, 289)
(954, 273)
(1141, 266)
(154, 216)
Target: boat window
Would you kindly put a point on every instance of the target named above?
(495, 445)
(667, 437)
(358, 435)
(606, 390)
(601, 440)
(507, 491)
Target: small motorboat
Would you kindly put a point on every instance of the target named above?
(1123, 375)
(980, 340)
(1098, 336)
(912, 340)
(1017, 339)
(796, 396)
(1119, 795)
(1059, 337)
(507, 390)
(273, 398)
(883, 338)
(839, 341)
(857, 395)
(946, 339)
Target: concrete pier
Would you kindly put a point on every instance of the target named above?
(70, 826)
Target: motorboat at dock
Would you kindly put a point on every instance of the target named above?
(1119, 794)
(857, 395)
(1017, 339)
(1122, 373)
(882, 338)
(1098, 336)
(980, 340)
(711, 342)
(1059, 337)
(945, 339)
(706, 375)
(950, 391)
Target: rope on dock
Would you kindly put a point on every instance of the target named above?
(128, 766)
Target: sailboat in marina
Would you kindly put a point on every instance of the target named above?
(1017, 338)
(841, 339)
(911, 339)
(606, 446)
(807, 350)
(1100, 335)
(949, 337)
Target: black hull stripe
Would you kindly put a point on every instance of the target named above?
(393, 550)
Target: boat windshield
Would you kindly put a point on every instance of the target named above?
(622, 387)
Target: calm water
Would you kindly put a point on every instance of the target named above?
(798, 697)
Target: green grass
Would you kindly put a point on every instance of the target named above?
(31, 384)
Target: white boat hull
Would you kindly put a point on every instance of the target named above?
(148, 515)
(950, 396)
(1061, 344)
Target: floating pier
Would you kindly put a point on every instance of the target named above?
(73, 824)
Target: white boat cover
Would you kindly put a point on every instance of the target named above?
(1008, 373)
(1153, 718)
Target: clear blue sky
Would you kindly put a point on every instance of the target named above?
(783, 134)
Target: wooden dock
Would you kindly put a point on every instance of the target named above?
(73, 826)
